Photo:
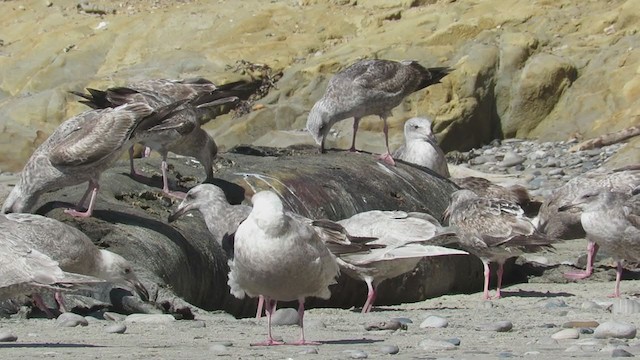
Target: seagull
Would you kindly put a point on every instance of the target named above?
(26, 271)
(181, 134)
(368, 87)
(494, 230)
(612, 221)
(72, 249)
(517, 194)
(566, 224)
(421, 147)
(79, 150)
(405, 238)
(281, 258)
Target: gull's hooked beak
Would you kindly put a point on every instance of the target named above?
(179, 212)
(569, 206)
(140, 289)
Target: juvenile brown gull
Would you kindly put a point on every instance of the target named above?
(421, 147)
(406, 239)
(72, 249)
(612, 221)
(514, 193)
(494, 230)
(566, 224)
(79, 150)
(26, 271)
(368, 87)
(181, 134)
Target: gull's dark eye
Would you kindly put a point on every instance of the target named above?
(127, 271)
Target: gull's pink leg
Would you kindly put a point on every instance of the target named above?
(259, 310)
(270, 307)
(37, 299)
(371, 296)
(487, 274)
(386, 157)
(165, 180)
(500, 272)
(60, 300)
(302, 341)
(592, 250)
(356, 122)
(616, 292)
(93, 188)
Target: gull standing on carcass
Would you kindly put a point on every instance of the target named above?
(79, 150)
(421, 147)
(612, 221)
(73, 250)
(368, 87)
(281, 258)
(406, 239)
(181, 134)
(493, 230)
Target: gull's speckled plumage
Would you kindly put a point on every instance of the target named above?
(421, 147)
(493, 230)
(79, 150)
(368, 87)
(612, 221)
(406, 239)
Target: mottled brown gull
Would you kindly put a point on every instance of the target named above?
(368, 87)
(181, 134)
(494, 230)
(421, 147)
(79, 150)
(514, 193)
(281, 258)
(26, 271)
(406, 239)
(72, 249)
(566, 224)
(612, 221)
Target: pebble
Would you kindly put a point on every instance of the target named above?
(356, 354)
(385, 325)
(625, 306)
(498, 326)
(118, 328)
(434, 322)
(455, 341)
(511, 159)
(389, 349)
(566, 334)
(285, 316)
(71, 320)
(150, 318)
(621, 353)
(432, 344)
(580, 324)
(7, 336)
(614, 329)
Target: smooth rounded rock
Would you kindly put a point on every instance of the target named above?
(7, 336)
(511, 159)
(580, 324)
(432, 344)
(71, 320)
(455, 341)
(285, 316)
(356, 354)
(621, 353)
(150, 318)
(565, 334)
(385, 325)
(434, 322)
(118, 328)
(614, 329)
(389, 349)
(498, 326)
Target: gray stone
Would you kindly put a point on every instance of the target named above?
(556, 171)
(118, 328)
(71, 320)
(434, 322)
(389, 349)
(565, 334)
(498, 326)
(356, 354)
(621, 353)
(385, 325)
(455, 341)
(511, 159)
(614, 329)
(7, 336)
(432, 344)
(150, 318)
(285, 316)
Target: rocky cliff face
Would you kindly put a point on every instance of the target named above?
(537, 69)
